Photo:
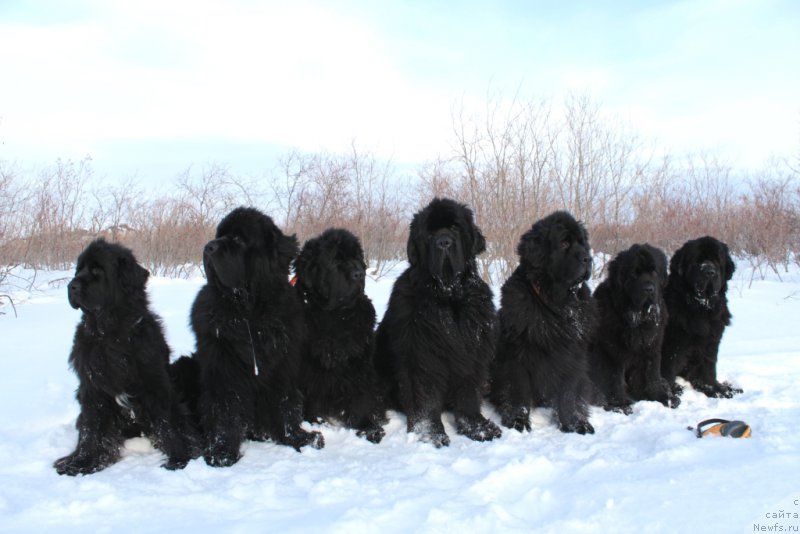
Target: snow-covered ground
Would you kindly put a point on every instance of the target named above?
(643, 473)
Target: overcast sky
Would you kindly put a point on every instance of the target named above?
(152, 86)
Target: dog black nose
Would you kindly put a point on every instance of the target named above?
(74, 286)
(649, 288)
(586, 259)
(708, 270)
(444, 242)
(356, 275)
(211, 247)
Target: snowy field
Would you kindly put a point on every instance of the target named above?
(643, 473)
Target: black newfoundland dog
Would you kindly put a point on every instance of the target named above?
(546, 320)
(248, 322)
(625, 357)
(121, 359)
(436, 340)
(338, 377)
(698, 311)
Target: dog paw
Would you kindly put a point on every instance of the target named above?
(578, 427)
(430, 432)
(437, 439)
(300, 438)
(373, 434)
(518, 419)
(74, 465)
(221, 457)
(174, 464)
(727, 391)
(478, 429)
(624, 409)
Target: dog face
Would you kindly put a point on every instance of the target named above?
(331, 269)
(248, 248)
(443, 240)
(638, 277)
(703, 266)
(105, 275)
(557, 248)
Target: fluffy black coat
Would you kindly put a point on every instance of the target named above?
(625, 356)
(546, 320)
(121, 358)
(697, 301)
(338, 378)
(248, 322)
(436, 340)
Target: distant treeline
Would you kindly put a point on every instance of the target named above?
(512, 163)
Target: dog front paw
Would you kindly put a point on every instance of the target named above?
(372, 434)
(81, 464)
(517, 418)
(300, 438)
(221, 456)
(478, 429)
(581, 427)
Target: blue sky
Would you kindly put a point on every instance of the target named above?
(153, 86)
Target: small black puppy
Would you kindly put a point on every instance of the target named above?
(546, 319)
(121, 359)
(625, 355)
(338, 377)
(696, 297)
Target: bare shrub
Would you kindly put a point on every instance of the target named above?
(516, 161)
(55, 216)
(314, 192)
(11, 208)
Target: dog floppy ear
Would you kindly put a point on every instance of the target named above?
(676, 263)
(531, 246)
(286, 248)
(478, 241)
(661, 266)
(301, 264)
(132, 276)
(730, 266)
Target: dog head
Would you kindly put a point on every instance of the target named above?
(556, 250)
(443, 241)
(331, 269)
(637, 277)
(248, 250)
(702, 267)
(106, 276)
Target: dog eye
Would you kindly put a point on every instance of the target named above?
(238, 240)
(564, 244)
(96, 271)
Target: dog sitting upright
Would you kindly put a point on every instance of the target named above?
(339, 378)
(121, 359)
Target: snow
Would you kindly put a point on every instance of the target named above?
(642, 473)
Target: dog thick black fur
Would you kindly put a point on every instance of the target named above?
(546, 319)
(697, 301)
(625, 355)
(338, 378)
(436, 340)
(249, 326)
(121, 358)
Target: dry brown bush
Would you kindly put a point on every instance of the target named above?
(314, 192)
(512, 162)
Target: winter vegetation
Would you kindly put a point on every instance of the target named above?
(512, 163)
